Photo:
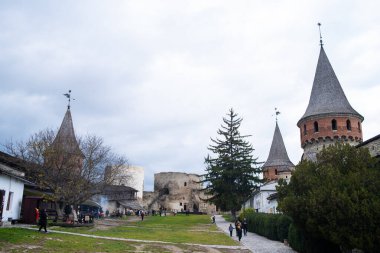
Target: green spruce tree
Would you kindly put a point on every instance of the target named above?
(232, 174)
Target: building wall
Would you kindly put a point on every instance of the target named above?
(10, 184)
(260, 203)
(373, 147)
(270, 174)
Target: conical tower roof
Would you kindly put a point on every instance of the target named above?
(277, 155)
(327, 96)
(65, 139)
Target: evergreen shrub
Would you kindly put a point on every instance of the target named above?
(295, 239)
(283, 224)
(272, 226)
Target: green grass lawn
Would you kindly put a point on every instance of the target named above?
(23, 240)
(178, 229)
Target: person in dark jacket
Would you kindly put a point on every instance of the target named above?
(245, 227)
(239, 231)
(43, 220)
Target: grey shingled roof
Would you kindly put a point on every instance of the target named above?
(327, 96)
(277, 155)
(65, 138)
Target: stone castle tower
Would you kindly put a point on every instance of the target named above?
(329, 117)
(278, 164)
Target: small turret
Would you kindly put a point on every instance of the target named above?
(278, 164)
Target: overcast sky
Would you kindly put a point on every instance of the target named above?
(155, 78)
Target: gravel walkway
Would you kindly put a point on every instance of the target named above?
(254, 242)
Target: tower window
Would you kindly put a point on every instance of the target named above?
(348, 124)
(359, 127)
(333, 124)
(304, 130)
(185, 184)
(275, 171)
(316, 128)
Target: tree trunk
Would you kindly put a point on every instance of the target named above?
(233, 214)
(59, 210)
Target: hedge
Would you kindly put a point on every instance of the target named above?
(279, 227)
(272, 226)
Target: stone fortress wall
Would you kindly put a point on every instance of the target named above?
(177, 191)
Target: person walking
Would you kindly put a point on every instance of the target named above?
(239, 231)
(37, 212)
(237, 222)
(245, 227)
(142, 214)
(43, 220)
(230, 228)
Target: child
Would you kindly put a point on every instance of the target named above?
(230, 228)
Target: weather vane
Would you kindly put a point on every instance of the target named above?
(277, 112)
(320, 34)
(68, 95)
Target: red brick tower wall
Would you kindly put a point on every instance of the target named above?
(353, 132)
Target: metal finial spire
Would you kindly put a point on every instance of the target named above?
(320, 35)
(277, 112)
(68, 95)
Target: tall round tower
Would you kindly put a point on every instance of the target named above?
(329, 117)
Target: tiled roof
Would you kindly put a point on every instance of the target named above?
(327, 96)
(277, 154)
(118, 188)
(12, 161)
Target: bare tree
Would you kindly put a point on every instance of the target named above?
(73, 175)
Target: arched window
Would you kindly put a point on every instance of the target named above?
(316, 128)
(348, 124)
(304, 130)
(333, 124)
(359, 127)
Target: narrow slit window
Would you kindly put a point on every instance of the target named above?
(348, 124)
(316, 128)
(333, 125)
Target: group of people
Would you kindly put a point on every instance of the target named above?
(241, 228)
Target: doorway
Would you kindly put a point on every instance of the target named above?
(2, 193)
